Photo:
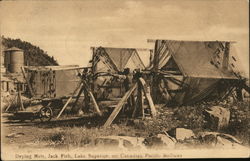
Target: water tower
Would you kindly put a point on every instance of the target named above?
(14, 59)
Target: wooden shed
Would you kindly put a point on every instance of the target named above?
(52, 81)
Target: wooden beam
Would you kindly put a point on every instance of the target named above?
(10, 103)
(77, 97)
(65, 105)
(20, 100)
(28, 83)
(153, 40)
(139, 102)
(87, 92)
(119, 106)
(47, 68)
(95, 104)
(225, 59)
(70, 98)
(86, 100)
(148, 97)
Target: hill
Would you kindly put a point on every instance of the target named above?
(33, 55)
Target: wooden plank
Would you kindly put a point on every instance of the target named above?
(139, 102)
(65, 105)
(148, 97)
(77, 97)
(70, 98)
(28, 83)
(10, 103)
(226, 56)
(95, 104)
(119, 106)
(245, 86)
(47, 68)
(86, 100)
(20, 100)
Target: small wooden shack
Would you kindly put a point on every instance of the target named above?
(52, 81)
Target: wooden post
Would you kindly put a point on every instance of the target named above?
(119, 106)
(226, 56)
(148, 97)
(154, 79)
(139, 102)
(95, 104)
(239, 94)
(20, 100)
(28, 83)
(65, 105)
(87, 93)
(10, 103)
(86, 100)
(78, 96)
(70, 98)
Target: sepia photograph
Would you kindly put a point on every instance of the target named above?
(124, 79)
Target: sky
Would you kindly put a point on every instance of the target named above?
(66, 29)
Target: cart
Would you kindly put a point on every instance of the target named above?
(47, 87)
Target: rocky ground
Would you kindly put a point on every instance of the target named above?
(212, 125)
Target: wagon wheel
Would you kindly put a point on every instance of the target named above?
(45, 114)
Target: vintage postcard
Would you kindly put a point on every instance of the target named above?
(124, 79)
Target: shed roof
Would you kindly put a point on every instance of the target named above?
(121, 56)
(194, 58)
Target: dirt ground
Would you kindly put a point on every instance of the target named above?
(32, 132)
(73, 131)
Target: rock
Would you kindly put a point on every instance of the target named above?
(120, 142)
(217, 117)
(15, 135)
(138, 123)
(227, 144)
(181, 133)
(160, 141)
(80, 112)
(207, 138)
(219, 140)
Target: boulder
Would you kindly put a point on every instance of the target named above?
(219, 140)
(160, 141)
(15, 135)
(181, 133)
(217, 117)
(120, 142)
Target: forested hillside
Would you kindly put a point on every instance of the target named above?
(33, 55)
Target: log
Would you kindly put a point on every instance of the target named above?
(119, 106)
(148, 97)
